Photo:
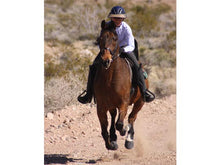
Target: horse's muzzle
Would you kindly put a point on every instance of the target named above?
(107, 63)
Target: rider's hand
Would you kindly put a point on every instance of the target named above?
(121, 50)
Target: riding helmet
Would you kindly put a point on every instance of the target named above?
(117, 11)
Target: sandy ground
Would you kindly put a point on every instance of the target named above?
(73, 136)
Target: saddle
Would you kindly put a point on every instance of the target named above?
(130, 64)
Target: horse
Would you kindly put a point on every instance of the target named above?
(112, 86)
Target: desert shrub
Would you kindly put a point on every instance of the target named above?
(63, 4)
(160, 8)
(170, 42)
(145, 18)
(66, 71)
(54, 70)
(48, 28)
(88, 21)
(109, 4)
(61, 92)
(87, 37)
(62, 59)
(69, 63)
(141, 51)
(164, 88)
(160, 57)
(65, 19)
(163, 81)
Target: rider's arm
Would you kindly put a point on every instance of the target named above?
(129, 39)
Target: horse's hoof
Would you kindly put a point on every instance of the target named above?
(119, 126)
(114, 145)
(123, 132)
(129, 144)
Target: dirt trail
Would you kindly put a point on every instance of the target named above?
(73, 136)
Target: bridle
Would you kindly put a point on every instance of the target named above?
(114, 56)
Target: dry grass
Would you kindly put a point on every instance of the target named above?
(163, 81)
(60, 92)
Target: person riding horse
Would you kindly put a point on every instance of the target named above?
(127, 45)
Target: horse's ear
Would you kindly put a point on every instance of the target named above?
(103, 24)
(112, 25)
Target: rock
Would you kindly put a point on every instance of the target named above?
(65, 121)
(71, 120)
(50, 116)
(65, 137)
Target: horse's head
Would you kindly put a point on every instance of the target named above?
(108, 43)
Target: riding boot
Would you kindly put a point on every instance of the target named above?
(87, 98)
(146, 94)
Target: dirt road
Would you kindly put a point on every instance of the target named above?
(73, 136)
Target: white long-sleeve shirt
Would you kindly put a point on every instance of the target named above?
(125, 37)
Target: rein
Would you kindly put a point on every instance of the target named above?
(113, 52)
(114, 56)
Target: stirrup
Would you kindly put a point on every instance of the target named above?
(84, 99)
(150, 99)
(82, 93)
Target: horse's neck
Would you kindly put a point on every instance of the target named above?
(113, 78)
(107, 74)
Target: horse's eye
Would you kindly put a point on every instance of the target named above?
(115, 38)
(102, 51)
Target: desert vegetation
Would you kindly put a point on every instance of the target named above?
(71, 28)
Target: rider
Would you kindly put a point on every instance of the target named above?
(127, 45)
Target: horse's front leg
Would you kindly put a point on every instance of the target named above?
(129, 142)
(102, 115)
(120, 121)
(113, 136)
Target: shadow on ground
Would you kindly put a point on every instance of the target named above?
(63, 159)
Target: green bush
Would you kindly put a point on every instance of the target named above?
(54, 70)
(163, 59)
(145, 18)
(70, 61)
(64, 4)
(170, 42)
(48, 28)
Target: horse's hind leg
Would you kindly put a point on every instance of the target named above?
(129, 142)
(102, 115)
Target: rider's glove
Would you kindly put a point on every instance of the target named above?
(121, 50)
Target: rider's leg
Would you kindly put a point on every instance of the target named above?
(87, 98)
(147, 96)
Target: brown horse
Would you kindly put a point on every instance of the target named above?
(112, 86)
